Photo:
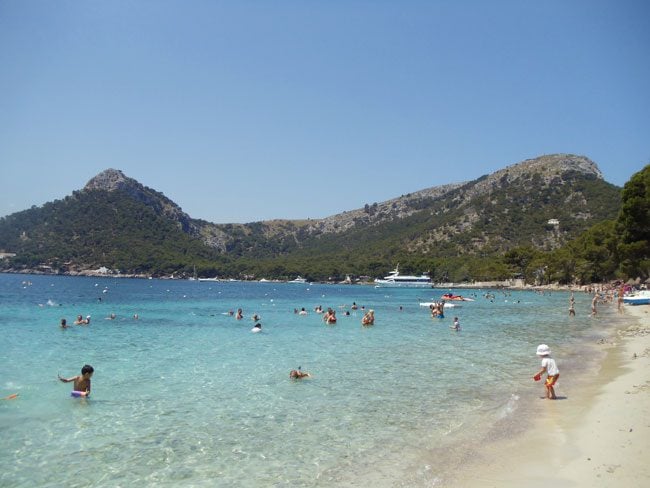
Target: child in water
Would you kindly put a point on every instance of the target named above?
(81, 382)
(550, 368)
(456, 325)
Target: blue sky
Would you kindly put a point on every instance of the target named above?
(252, 110)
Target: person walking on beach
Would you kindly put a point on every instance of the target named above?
(550, 368)
(81, 382)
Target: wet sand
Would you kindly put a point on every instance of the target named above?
(596, 436)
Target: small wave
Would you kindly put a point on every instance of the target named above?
(10, 385)
(510, 406)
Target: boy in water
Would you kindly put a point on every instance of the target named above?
(81, 382)
(550, 368)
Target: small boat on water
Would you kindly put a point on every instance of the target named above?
(641, 297)
(455, 298)
(394, 279)
(298, 280)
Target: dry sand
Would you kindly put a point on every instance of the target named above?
(597, 437)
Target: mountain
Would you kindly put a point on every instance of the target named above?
(114, 222)
(508, 208)
(117, 222)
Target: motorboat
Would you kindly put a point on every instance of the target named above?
(298, 280)
(641, 297)
(394, 279)
(455, 298)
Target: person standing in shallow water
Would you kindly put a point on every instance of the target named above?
(550, 368)
(81, 382)
(594, 304)
(456, 325)
(619, 299)
(369, 318)
(572, 306)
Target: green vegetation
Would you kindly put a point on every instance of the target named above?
(96, 228)
(611, 249)
(463, 235)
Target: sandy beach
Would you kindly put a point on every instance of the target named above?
(597, 436)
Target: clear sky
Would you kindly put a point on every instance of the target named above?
(250, 110)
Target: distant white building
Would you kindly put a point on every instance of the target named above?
(553, 222)
(4, 255)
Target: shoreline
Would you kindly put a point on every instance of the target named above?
(598, 436)
(491, 285)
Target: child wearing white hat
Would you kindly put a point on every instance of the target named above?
(550, 368)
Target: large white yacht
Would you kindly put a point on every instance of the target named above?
(395, 279)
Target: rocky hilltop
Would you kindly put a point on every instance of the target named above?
(550, 170)
(112, 180)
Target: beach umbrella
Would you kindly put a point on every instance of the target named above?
(631, 282)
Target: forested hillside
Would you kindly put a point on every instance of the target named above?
(95, 228)
(489, 228)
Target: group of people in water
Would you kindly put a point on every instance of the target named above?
(329, 315)
(80, 320)
(330, 318)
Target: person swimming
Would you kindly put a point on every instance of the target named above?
(298, 374)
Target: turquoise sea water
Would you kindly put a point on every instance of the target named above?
(187, 396)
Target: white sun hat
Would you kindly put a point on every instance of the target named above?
(543, 350)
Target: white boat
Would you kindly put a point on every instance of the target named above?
(641, 297)
(394, 279)
(209, 279)
(299, 280)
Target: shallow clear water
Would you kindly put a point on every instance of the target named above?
(187, 395)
